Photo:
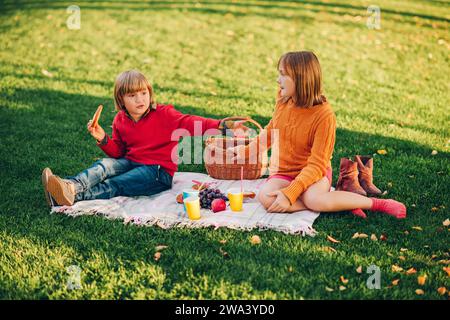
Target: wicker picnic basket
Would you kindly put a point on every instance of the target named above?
(219, 167)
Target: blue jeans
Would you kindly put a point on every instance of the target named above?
(109, 178)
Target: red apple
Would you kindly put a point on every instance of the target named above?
(218, 205)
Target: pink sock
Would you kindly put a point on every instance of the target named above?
(358, 212)
(389, 206)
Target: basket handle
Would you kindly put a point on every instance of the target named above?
(246, 119)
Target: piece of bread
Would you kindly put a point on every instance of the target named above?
(249, 194)
(96, 116)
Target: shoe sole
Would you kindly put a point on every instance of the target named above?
(57, 192)
(46, 173)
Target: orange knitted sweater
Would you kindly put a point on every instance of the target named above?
(302, 142)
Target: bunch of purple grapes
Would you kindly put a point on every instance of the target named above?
(208, 195)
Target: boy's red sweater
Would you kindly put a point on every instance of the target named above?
(149, 141)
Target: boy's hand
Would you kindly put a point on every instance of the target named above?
(239, 130)
(98, 133)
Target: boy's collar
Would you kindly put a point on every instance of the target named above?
(151, 107)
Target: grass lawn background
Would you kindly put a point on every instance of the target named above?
(388, 87)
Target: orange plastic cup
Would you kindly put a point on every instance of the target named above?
(192, 207)
(236, 198)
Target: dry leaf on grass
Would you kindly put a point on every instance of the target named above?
(47, 73)
(419, 292)
(359, 269)
(255, 239)
(417, 228)
(383, 237)
(331, 239)
(446, 223)
(157, 256)
(343, 280)
(396, 268)
(342, 288)
(358, 235)
(160, 247)
(223, 241)
(395, 282)
(411, 271)
(422, 279)
(373, 237)
(442, 290)
(447, 269)
(224, 253)
(403, 249)
(382, 152)
(329, 249)
(329, 289)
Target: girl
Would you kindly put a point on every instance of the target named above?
(140, 150)
(300, 178)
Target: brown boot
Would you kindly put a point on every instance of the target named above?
(348, 177)
(46, 173)
(365, 168)
(62, 191)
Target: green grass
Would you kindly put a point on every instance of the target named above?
(388, 87)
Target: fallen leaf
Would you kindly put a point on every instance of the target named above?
(157, 256)
(223, 241)
(329, 289)
(434, 209)
(447, 269)
(406, 232)
(343, 280)
(373, 237)
(161, 247)
(331, 239)
(382, 152)
(411, 271)
(395, 282)
(255, 239)
(419, 292)
(396, 268)
(444, 262)
(446, 223)
(417, 228)
(421, 279)
(434, 152)
(358, 235)
(383, 237)
(224, 253)
(402, 258)
(47, 73)
(442, 290)
(390, 184)
(290, 269)
(403, 249)
(342, 288)
(359, 269)
(328, 249)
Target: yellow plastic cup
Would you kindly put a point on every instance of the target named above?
(236, 198)
(192, 205)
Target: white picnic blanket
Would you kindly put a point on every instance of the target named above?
(163, 210)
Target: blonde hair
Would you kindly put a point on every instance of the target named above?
(131, 81)
(304, 69)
